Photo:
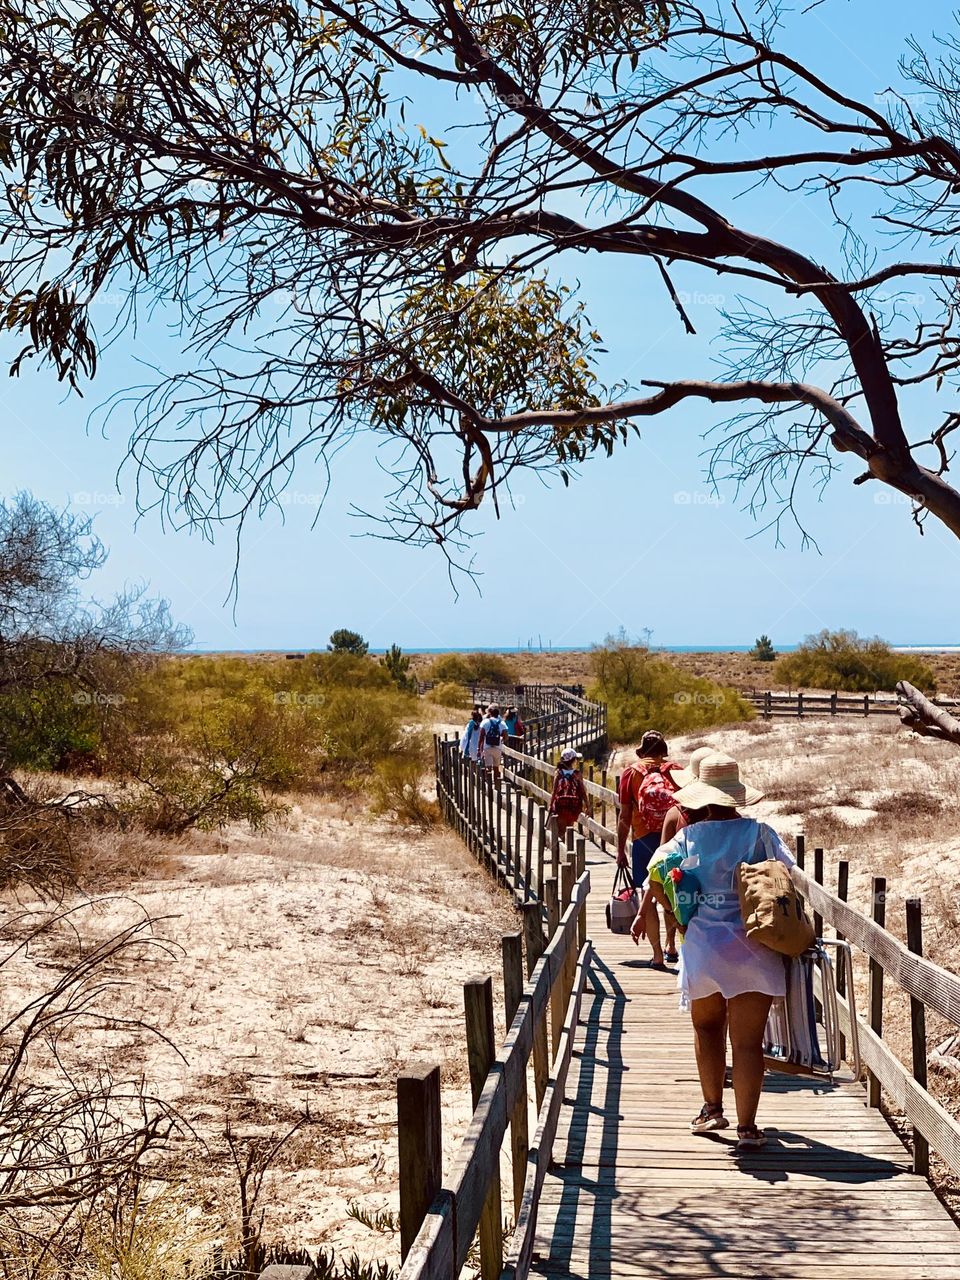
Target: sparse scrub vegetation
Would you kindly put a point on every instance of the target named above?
(644, 691)
(472, 668)
(842, 660)
(448, 694)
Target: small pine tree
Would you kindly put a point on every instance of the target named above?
(398, 668)
(344, 641)
(763, 650)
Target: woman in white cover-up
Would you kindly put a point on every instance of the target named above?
(727, 981)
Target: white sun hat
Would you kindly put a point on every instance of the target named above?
(568, 756)
(682, 777)
(718, 782)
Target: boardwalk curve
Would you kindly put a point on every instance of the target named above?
(611, 1183)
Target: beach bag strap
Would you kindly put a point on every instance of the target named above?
(622, 880)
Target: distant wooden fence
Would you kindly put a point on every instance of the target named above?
(772, 705)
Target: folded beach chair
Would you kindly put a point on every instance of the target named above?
(796, 1041)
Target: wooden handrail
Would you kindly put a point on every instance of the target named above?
(443, 1242)
(938, 988)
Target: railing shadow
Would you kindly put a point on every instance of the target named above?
(599, 1051)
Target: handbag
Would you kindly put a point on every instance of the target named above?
(624, 902)
(772, 909)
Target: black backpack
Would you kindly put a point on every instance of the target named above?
(492, 734)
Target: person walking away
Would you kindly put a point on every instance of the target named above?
(514, 729)
(646, 796)
(493, 730)
(470, 738)
(675, 820)
(569, 798)
(726, 980)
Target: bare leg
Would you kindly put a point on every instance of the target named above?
(651, 925)
(709, 1026)
(748, 1017)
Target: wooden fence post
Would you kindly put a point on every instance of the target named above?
(508, 842)
(801, 849)
(554, 847)
(568, 877)
(512, 994)
(528, 854)
(799, 704)
(533, 941)
(551, 898)
(843, 886)
(603, 808)
(918, 1032)
(541, 849)
(581, 868)
(818, 876)
(571, 836)
(517, 837)
(481, 1051)
(418, 1139)
(879, 891)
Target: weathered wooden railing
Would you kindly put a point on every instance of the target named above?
(544, 972)
(772, 704)
(440, 1217)
(927, 985)
(554, 716)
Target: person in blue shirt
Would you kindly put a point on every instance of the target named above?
(470, 738)
(493, 730)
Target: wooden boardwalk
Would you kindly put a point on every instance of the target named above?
(633, 1194)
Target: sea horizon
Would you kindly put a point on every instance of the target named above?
(568, 648)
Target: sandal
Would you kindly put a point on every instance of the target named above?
(750, 1138)
(671, 957)
(711, 1117)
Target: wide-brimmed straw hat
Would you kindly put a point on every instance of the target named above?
(718, 782)
(683, 777)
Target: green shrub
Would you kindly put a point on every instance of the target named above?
(472, 668)
(644, 691)
(763, 650)
(448, 694)
(361, 727)
(395, 789)
(845, 661)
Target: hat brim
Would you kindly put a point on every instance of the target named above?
(683, 777)
(697, 795)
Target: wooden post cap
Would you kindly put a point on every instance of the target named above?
(287, 1271)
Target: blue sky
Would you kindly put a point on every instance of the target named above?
(639, 541)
